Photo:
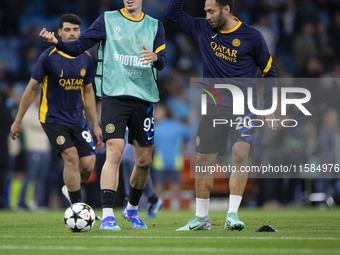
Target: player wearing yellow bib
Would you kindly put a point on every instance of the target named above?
(132, 48)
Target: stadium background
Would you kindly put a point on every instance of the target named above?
(303, 37)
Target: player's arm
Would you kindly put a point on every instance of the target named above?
(159, 48)
(26, 101)
(90, 105)
(265, 63)
(157, 56)
(37, 77)
(189, 24)
(93, 35)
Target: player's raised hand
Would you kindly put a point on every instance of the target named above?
(48, 36)
(147, 56)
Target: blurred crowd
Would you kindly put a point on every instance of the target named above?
(303, 37)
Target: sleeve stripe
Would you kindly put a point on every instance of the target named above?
(160, 48)
(269, 65)
(43, 105)
(52, 51)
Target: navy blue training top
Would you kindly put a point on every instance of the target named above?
(63, 79)
(235, 53)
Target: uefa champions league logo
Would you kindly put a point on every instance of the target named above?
(116, 29)
(116, 34)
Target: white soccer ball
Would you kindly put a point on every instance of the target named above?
(79, 217)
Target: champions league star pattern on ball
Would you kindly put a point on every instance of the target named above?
(79, 217)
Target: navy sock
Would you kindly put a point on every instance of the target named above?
(75, 196)
(135, 195)
(107, 197)
(153, 199)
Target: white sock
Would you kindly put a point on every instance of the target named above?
(202, 207)
(131, 207)
(234, 203)
(107, 212)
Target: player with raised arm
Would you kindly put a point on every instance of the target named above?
(230, 49)
(132, 49)
(66, 92)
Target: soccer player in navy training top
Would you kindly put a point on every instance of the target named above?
(131, 50)
(230, 49)
(66, 92)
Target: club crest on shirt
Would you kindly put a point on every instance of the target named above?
(82, 72)
(236, 42)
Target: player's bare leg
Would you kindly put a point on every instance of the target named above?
(238, 180)
(138, 179)
(109, 180)
(237, 184)
(204, 181)
(71, 175)
(86, 167)
(141, 170)
(110, 173)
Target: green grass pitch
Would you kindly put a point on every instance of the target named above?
(300, 231)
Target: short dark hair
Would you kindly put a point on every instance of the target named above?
(69, 17)
(223, 3)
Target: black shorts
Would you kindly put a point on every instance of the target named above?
(62, 137)
(211, 139)
(137, 115)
